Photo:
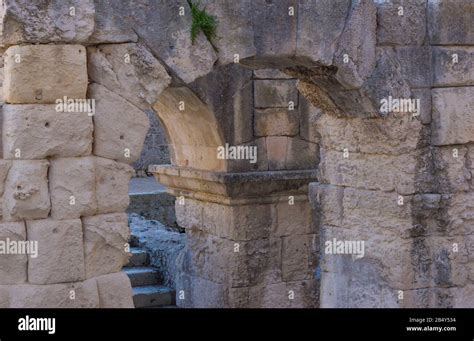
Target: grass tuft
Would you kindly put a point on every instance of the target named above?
(202, 22)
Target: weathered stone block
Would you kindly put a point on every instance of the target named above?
(60, 251)
(320, 23)
(105, 240)
(277, 147)
(248, 164)
(415, 65)
(55, 295)
(270, 122)
(450, 22)
(270, 74)
(196, 292)
(72, 187)
(401, 22)
(453, 122)
(111, 185)
(271, 38)
(299, 258)
(13, 266)
(39, 131)
(44, 73)
(4, 296)
(357, 43)
(130, 71)
(309, 118)
(424, 95)
(58, 21)
(26, 194)
(294, 219)
(113, 118)
(189, 213)
(109, 26)
(450, 167)
(4, 169)
(167, 34)
(302, 154)
(453, 66)
(115, 291)
(275, 93)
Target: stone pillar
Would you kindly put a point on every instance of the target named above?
(250, 238)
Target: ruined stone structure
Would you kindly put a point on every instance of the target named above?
(331, 163)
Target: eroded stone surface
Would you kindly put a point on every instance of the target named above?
(13, 267)
(115, 291)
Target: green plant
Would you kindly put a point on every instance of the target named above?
(202, 22)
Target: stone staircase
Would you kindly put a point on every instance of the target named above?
(148, 291)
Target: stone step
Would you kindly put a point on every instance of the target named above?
(153, 296)
(141, 276)
(139, 257)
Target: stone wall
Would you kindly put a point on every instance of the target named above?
(397, 180)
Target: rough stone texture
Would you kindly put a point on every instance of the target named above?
(111, 185)
(26, 21)
(55, 295)
(275, 93)
(453, 122)
(105, 240)
(450, 22)
(128, 70)
(113, 118)
(26, 194)
(414, 66)
(45, 73)
(4, 296)
(293, 219)
(447, 71)
(280, 121)
(39, 131)
(406, 29)
(270, 74)
(299, 257)
(109, 26)
(166, 33)
(60, 251)
(357, 42)
(115, 291)
(72, 188)
(319, 27)
(13, 267)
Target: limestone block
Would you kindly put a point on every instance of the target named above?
(109, 26)
(450, 22)
(304, 294)
(280, 121)
(234, 30)
(424, 95)
(450, 166)
(320, 23)
(111, 185)
(357, 43)
(58, 21)
(55, 295)
(299, 257)
(275, 93)
(453, 122)
(105, 240)
(60, 251)
(26, 194)
(199, 293)
(309, 118)
(453, 66)
(294, 219)
(39, 131)
(72, 187)
(457, 218)
(167, 34)
(401, 22)
(415, 65)
(301, 154)
(189, 213)
(401, 173)
(130, 71)
(277, 147)
(44, 73)
(13, 263)
(113, 119)
(274, 29)
(115, 291)
(245, 165)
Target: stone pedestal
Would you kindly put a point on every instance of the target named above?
(250, 238)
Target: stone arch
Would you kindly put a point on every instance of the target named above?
(345, 65)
